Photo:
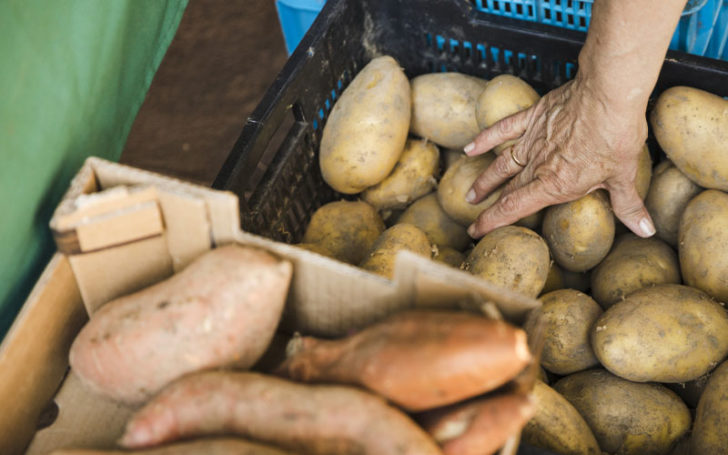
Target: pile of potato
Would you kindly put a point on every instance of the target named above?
(634, 327)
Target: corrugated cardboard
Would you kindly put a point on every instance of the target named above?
(326, 298)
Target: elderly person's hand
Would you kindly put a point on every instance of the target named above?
(588, 133)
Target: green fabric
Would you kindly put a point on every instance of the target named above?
(73, 74)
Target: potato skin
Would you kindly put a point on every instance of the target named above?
(347, 229)
(207, 446)
(691, 126)
(557, 425)
(554, 280)
(644, 173)
(580, 233)
(443, 108)
(670, 192)
(456, 183)
(449, 256)
(367, 128)
(412, 177)
(568, 316)
(427, 214)
(703, 246)
(626, 417)
(221, 310)
(399, 237)
(634, 263)
(511, 257)
(315, 420)
(478, 426)
(504, 95)
(418, 360)
(711, 418)
(665, 333)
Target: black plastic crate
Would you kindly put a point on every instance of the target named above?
(274, 167)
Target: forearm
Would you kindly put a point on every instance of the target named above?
(625, 48)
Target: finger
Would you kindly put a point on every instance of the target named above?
(630, 209)
(511, 207)
(501, 131)
(500, 170)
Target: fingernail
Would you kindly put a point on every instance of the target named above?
(469, 148)
(470, 197)
(135, 437)
(471, 230)
(646, 227)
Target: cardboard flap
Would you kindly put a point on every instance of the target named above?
(137, 228)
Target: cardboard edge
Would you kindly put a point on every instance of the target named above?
(34, 357)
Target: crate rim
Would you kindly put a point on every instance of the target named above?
(251, 129)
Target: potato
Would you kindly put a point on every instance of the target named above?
(399, 237)
(478, 426)
(691, 126)
(427, 214)
(580, 233)
(626, 417)
(710, 435)
(412, 177)
(504, 95)
(568, 316)
(347, 229)
(315, 420)
(418, 360)
(665, 333)
(221, 310)
(207, 446)
(443, 108)
(532, 222)
(449, 256)
(554, 280)
(367, 128)
(557, 426)
(644, 173)
(456, 183)
(634, 263)
(669, 194)
(703, 247)
(581, 281)
(511, 257)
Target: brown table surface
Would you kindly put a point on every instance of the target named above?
(224, 56)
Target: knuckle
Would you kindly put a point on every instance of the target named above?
(509, 203)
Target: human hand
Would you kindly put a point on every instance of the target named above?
(571, 142)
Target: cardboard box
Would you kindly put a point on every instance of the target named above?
(143, 230)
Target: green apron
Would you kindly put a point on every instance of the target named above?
(73, 74)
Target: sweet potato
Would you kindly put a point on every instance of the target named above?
(222, 310)
(211, 446)
(478, 427)
(316, 420)
(417, 359)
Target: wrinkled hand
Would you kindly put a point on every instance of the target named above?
(570, 143)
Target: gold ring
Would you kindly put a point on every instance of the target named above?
(516, 159)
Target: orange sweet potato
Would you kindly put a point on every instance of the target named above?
(480, 426)
(315, 420)
(222, 310)
(212, 446)
(418, 359)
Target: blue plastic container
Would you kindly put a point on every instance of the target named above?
(702, 30)
(296, 16)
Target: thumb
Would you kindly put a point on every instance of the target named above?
(630, 209)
